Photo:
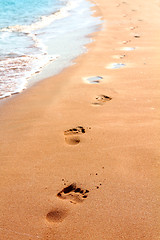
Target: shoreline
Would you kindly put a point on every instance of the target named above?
(56, 56)
(64, 131)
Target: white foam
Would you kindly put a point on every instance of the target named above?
(19, 70)
(43, 21)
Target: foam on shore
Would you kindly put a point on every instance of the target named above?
(37, 44)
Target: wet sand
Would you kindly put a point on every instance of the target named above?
(80, 151)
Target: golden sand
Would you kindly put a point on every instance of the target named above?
(80, 159)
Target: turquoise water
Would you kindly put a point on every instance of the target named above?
(19, 12)
(36, 34)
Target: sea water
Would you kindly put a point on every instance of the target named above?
(39, 38)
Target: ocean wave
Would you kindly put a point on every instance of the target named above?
(43, 21)
(18, 70)
(15, 70)
(30, 54)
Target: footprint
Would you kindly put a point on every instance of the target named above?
(102, 99)
(137, 36)
(115, 65)
(128, 48)
(93, 79)
(56, 215)
(72, 138)
(125, 42)
(119, 56)
(73, 193)
(132, 28)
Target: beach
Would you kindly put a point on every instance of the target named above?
(79, 151)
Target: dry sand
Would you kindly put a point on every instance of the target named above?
(115, 156)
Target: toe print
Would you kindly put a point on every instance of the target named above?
(76, 130)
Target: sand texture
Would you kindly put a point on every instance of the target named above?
(80, 151)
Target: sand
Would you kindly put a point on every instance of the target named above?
(80, 156)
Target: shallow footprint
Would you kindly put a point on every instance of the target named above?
(125, 42)
(102, 99)
(128, 48)
(56, 215)
(93, 79)
(73, 193)
(137, 36)
(115, 66)
(119, 56)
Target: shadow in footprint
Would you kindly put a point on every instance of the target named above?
(137, 36)
(102, 99)
(73, 193)
(56, 215)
